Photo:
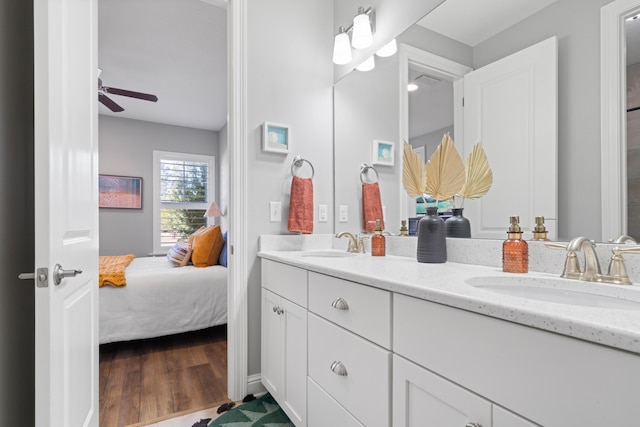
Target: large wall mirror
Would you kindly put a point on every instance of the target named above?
(620, 86)
(376, 105)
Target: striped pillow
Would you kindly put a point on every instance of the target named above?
(180, 254)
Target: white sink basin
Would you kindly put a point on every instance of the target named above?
(560, 291)
(327, 254)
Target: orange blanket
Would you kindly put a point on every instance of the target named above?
(111, 270)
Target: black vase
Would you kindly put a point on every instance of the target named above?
(432, 242)
(457, 225)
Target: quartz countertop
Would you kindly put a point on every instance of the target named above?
(446, 284)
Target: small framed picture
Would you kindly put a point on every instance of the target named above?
(383, 152)
(120, 192)
(276, 138)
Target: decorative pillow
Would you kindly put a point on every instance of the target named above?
(223, 253)
(179, 254)
(207, 245)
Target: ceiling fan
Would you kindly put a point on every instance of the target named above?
(111, 104)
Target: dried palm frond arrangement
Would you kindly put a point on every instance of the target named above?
(445, 176)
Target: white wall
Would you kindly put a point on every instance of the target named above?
(290, 74)
(17, 309)
(126, 148)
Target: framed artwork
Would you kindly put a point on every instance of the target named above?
(275, 138)
(383, 152)
(120, 192)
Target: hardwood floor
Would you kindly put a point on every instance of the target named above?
(147, 379)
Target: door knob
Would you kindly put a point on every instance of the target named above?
(59, 273)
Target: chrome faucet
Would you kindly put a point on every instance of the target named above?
(626, 239)
(356, 243)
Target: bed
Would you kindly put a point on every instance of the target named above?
(161, 299)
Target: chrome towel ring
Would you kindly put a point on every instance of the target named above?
(364, 172)
(298, 162)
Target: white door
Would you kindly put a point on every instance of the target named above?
(511, 107)
(66, 211)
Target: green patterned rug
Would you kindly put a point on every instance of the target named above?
(261, 412)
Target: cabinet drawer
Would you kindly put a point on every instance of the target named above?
(324, 411)
(365, 389)
(369, 309)
(286, 281)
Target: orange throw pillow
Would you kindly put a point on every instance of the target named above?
(207, 244)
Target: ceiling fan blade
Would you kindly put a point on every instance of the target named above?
(130, 93)
(109, 103)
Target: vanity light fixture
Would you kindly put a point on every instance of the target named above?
(362, 30)
(368, 65)
(362, 36)
(342, 48)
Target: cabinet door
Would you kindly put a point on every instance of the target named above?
(294, 394)
(284, 354)
(422, 398)
(272, 360)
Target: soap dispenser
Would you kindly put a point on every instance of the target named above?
(378, 243)
(515, 251)
(540, 231)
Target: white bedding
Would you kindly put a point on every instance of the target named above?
(160, 299)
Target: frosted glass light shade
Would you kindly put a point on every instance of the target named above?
(412, 87)
(341, 49)
(362, 36)
(388, 49)
(367, 65)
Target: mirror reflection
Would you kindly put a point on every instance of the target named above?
(632, 30)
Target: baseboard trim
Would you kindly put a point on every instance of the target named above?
(254, 384)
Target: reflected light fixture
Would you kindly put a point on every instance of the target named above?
(368, 65)
(362, 29)
(388, 49)
(362, 36)
(412, 87)
(342, 48)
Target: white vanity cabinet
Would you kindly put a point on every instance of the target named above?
(479, 365)
(284, 337)
(349, 349)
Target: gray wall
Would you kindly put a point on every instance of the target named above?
(431, 140)
(576, 23)
(290, 75)
(126, 148)
(17, 308)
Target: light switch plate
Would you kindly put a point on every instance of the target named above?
(275, 211)
(322, 213)
(344, 213)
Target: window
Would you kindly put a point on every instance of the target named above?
(183, 188)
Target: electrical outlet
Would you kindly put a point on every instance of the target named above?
(275, 211)
(344, 213)
(322, 213)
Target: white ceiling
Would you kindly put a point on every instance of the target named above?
(174, 49)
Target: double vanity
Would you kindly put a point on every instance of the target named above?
(355, 340)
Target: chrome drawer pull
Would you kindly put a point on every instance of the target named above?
(340, 304)
(278, 310)
(473, 425)
(338, 368)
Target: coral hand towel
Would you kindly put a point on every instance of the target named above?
(301, 206)
(371, 207)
